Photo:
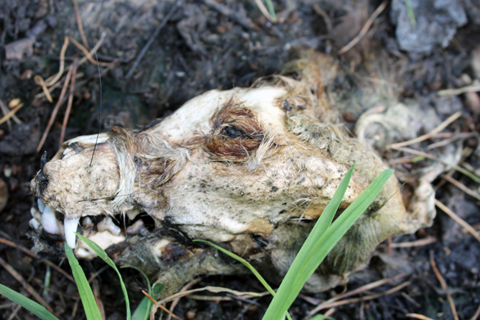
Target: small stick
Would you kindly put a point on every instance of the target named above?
(5, 111)
(476, 315)
(11, 113)
(55, 110)
(69, 104)
(365, 28)
(444, 286)
(416, 243)
(80, 24)
(455, 92)
(30, 253)
(52, 80)
(25, 284)
(417, 316)
(445, 142)
(324, 15)
(442, 126)
(461, 186)
(161, 306)
(369, 286)
(185, 288)
(354, 300)
(39, 80)
(469, 174)
(457, 219)
(152, 38)
(88, 55)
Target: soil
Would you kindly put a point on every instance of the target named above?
(203, 47)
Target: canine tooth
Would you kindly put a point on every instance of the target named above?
(107, 224)
(71, 226)
(41, 205)
(135, 227)
(49, 221)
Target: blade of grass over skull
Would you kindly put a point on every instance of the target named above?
(103, 255)
(86, 294)
(315, 251)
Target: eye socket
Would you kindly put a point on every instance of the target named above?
(232, 132)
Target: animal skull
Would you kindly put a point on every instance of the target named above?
(250, 168)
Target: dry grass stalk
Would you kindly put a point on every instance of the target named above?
(330, 303)
(457, 219)
(55, 110)
(30, 253)
(444, 287)
(461, 186)
(416, 243)
(417, 316)
(11, 113)
(25, 284)
(185, 288)
(441, 127)
(80, 24)
(69, 104)
(5, 111)
(365, 28)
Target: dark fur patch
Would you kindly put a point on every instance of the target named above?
(236, 133)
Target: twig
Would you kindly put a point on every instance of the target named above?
(161, 306)
(5, 111)
(80, 25)
(15, 311)
(365, 28)
(455, 92)
(25, 284)
(30, 253)
(39, 80)
(210, 289)
(417, 316)
(462, 135)
(416, 243)
(10, 114)
(152, 38)
(88, 55)
(52, 80)
(469, 174)
(444, 287)
(461, 186)
(441, 127)
(476, 315)
(69, 104)
(185, 288)
(55, 110)
(355, 300)
(457, 219)
(328, 303)
(324, 15)
(232, 14)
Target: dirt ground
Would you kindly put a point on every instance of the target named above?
(203, 45)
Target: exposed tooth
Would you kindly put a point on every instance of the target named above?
(107, 224)
(104, 239)
(70, 230)
(41, 205)
(135, 227)
(34, 223)
(49, 221)
(87, 223)
(133, 213)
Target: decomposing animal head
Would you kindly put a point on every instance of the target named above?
(251, 168)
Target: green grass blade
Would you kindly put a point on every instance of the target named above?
(27, 303)
(301, 270)
(86, 294)
(143, 310)
(245, 263)
(271, 10)
(103, 255)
